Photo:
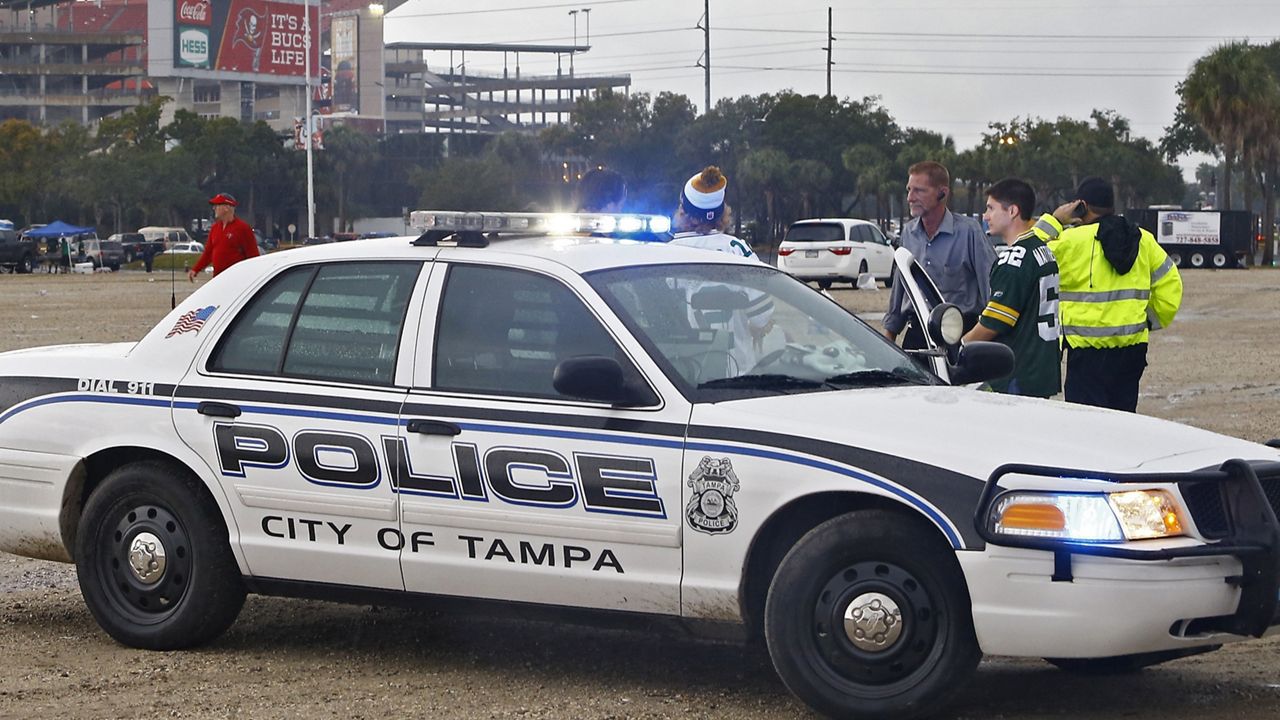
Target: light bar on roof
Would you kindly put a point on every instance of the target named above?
(612, 224)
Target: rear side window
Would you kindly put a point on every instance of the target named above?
(815, 232)
(863, 234)
(337, 322)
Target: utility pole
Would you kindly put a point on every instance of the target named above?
(831, 39)
(310, 128)
(705, 63)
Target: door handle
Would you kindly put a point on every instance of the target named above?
(432, 427)
(217, 409)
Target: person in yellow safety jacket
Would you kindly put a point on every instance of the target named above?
(1116, 285)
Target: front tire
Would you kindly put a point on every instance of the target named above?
(868, 617)
(154, 560)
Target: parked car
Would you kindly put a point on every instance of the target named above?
(582, 424)
(170, 236)
(18, 252)
(185, 248)
(102, 253)
(830, 250)
(136, 246)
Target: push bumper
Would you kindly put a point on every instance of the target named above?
(1249, 533)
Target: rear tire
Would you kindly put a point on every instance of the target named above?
(154, 560)
(824, 284)
(862, 269)
(24, 265)
(1220, 260)
(1197, 260)
(868, 617)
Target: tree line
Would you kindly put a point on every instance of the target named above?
(787, 156)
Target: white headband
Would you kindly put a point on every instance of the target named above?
(699, 199)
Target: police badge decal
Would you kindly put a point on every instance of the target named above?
(711, 508)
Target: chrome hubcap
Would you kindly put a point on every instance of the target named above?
(147, 558)
(873, 622)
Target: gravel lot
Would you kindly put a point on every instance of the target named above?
(1216, 367)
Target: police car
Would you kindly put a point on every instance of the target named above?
(544, 410)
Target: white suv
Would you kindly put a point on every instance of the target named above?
(830, 250)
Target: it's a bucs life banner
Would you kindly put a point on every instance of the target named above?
(247, 36)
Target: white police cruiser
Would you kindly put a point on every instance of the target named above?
(591, 422)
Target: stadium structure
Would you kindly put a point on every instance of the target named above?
(82, 61)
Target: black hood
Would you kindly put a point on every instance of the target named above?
(1119, 239)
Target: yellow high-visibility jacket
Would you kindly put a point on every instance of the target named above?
(1101, 308)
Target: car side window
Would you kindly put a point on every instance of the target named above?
(331, 322)
(862, 234)
(503, 331)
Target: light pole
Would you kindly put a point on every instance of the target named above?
(573, 51)
(586, 13)
(311, 187)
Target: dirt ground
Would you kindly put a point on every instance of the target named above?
(1217, 367)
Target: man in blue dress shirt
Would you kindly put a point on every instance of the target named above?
(951, 248)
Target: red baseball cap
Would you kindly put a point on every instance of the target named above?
(223, 199)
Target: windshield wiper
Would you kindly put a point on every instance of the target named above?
(767, 381)
(878, 378)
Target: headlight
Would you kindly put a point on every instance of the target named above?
(1086, 517)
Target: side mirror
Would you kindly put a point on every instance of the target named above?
(946, 324)
(599, 378)
(982, 361)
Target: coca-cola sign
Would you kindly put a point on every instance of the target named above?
(193, 12)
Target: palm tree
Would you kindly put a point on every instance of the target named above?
(1226, 93)
(1267, 149)
(767, 172)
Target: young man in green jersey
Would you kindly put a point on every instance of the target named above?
(1023, 310)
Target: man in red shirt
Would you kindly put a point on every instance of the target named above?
(230, 239)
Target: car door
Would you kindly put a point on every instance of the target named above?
(287, 405)
(924, 297)
(879, 253)
(509, 489)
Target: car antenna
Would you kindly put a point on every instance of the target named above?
(173, 284)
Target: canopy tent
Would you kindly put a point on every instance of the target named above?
(57, 229)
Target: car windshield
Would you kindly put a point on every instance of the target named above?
(722, 330)
(815, 232)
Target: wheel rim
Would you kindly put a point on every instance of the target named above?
(147, 568)
(1220, 260)
(875, 627)
(1197, 260)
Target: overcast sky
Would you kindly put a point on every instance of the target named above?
(951, 66)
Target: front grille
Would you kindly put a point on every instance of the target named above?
(1209, 509)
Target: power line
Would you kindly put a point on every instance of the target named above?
(518, 8)
(1000, 73)
(990, 36)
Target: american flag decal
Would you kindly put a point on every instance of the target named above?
(192, 321)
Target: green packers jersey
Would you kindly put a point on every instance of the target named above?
(1023, 311)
